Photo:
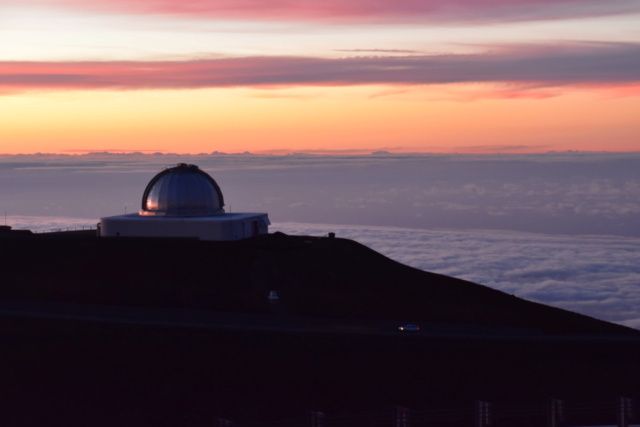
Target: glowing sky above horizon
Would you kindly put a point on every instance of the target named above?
(275, 76)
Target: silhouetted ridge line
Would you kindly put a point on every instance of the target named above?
(313, 276)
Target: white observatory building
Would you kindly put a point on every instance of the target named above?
(184, 201)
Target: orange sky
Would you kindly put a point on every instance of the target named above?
(312, 118)
(308, 76)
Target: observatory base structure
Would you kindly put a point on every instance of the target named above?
(229, 226)
(186, 202)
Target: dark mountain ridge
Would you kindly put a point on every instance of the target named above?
(314, 277)
(65, 371)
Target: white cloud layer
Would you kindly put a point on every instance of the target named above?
(44, 224)
(594, 275)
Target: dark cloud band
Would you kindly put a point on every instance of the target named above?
(531, 66)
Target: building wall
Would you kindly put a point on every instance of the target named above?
(219, 227)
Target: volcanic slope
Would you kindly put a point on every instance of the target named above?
(314, 277)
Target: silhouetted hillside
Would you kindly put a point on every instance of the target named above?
(62, 372)
(314, 277)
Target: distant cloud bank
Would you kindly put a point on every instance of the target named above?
(553, 193)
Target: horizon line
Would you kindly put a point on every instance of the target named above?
(319, 153)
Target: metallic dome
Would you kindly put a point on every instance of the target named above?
(183, 190)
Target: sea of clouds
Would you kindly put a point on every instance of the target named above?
(563, 193)
(594, 275)
(558, 228)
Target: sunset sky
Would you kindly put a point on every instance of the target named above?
(319, 76)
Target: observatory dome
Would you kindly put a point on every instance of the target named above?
(182, 191)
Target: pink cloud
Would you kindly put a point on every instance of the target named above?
(622, 92)
(371, 11)
(527, 68)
